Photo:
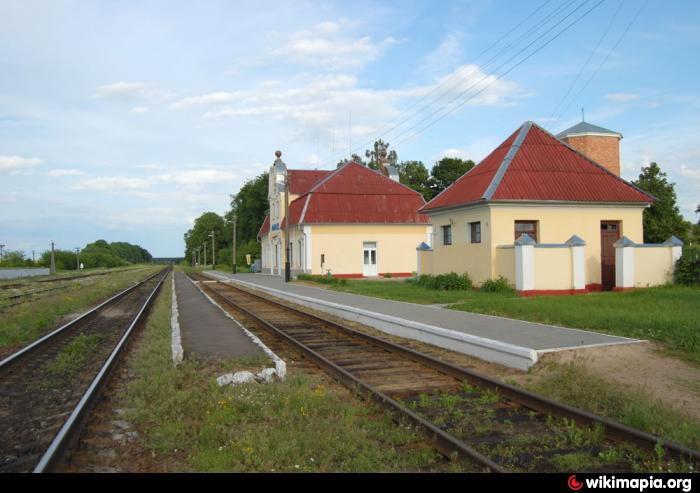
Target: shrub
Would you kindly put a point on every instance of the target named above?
(388, 275)
(327, 279)
(498, 285)
(445, 282)
(687, 268)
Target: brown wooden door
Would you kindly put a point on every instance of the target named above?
(609, 234)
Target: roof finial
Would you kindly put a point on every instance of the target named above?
(583, 115)
(278, 154)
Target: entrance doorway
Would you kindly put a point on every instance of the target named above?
(609, 234)
(369, 267)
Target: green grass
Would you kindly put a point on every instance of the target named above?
(573, 384)
(73, 357)
(668, 314)
(300, 424)
(26, 322)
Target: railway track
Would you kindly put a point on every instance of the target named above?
(465, 415)
(48, 388)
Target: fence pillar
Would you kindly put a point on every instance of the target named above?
(578, 264)
(525, 263)
(676, 249)
(624, 263)
(420, 251)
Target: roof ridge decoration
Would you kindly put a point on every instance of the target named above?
(514, 148)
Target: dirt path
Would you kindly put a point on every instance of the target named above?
(640, 366)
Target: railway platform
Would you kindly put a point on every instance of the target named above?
(514, 343)
(206, 332)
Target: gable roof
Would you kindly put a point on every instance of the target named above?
(585, 128)
(301, 180)
(533, 165)
(355, 194)
(265, 227)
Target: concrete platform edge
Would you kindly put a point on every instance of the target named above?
(280, 365)
(519, 357)
(176, 339)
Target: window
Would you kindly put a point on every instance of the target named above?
(475, 232)
(526, 227)
(446, 235)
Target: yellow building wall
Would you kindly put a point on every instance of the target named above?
(461, 256)
(504, 264)
(557, 223)
(342, 246)
(553, 268)
(653, 266)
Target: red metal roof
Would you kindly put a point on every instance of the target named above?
(265, 228)
(301, 180)
(356, 194)
(533, 165)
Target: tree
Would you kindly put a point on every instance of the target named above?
(663, 218)
(250, 205)
(15, 258)
(355, 158)
(415, 175)
(374, 154)
(199, 233)
(447, 171)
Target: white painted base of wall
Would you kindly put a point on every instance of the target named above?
(505, 354)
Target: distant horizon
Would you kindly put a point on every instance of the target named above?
(127, 120)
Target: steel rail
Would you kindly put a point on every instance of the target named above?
(71, 428)
(13, 358)
(613, 430)
(447, 444)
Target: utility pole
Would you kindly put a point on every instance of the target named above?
(213, 253)
(52, 268)
(233, 245)
(1, 247)
(33, 259)
(204, 247)
(287, 268)
(77, 259)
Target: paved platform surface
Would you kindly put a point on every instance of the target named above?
(535, 336)
(206, 332)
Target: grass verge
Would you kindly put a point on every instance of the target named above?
(24, 323)
(573, 384)
(301, 424)
(664, 314)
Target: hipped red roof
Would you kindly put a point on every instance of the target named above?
(533, 165)
(355, 194)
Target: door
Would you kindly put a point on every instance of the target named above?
(609, 234)
(369, 251)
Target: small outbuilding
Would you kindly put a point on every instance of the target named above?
(550, 214)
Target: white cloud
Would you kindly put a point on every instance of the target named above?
(139, 110)
(112, 184)
(17, 163)
(621, 97)
(692, 173)
(330, 46)
(131, 92)
(56, 173)
(446, 54)
(196, 178)
(220, 97)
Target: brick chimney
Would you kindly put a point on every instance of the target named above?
(598, 143)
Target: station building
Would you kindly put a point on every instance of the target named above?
(349, 222)
(550, 214)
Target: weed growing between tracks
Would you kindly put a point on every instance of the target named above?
(24, 323)
(525, 441)
(302, 424)
(73, 357)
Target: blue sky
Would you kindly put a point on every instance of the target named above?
(126, 120)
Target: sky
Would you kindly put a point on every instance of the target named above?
(125, 120)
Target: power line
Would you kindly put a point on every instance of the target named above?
(458, 74)
(619, 40)
(537, 50)
(588, 60)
